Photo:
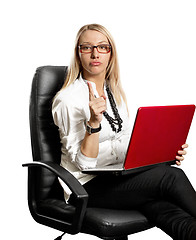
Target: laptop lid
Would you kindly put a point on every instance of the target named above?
(158, 133)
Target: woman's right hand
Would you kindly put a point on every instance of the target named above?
(97, 107)
(90, 143)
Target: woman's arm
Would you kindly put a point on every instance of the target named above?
(90, 143)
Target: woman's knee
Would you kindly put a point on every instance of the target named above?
(170, 172)
(175, 172)
(172, 178)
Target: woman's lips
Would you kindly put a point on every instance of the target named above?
(95, 63)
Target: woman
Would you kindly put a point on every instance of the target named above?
(91, 113)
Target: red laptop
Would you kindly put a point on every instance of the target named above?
(158, 133)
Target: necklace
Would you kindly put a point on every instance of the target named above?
(117, 121)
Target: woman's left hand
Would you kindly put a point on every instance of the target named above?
(181, 153)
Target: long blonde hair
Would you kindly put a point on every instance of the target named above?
(112, 72)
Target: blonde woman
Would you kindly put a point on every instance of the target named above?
(91, 113)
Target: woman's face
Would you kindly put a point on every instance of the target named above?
(94, 63)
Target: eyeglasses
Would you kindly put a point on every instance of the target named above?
(102, 48)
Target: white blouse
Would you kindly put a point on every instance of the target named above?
(70, 110)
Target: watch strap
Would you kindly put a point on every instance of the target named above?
(91, 130)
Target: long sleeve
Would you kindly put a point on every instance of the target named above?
(70, 117)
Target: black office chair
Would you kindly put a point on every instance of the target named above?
(45, 195)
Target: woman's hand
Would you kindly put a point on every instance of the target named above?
(97, 107)
(90, 143)
(181, 153)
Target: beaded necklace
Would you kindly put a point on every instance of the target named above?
(117, 121)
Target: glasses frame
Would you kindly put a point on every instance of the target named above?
(92, 48)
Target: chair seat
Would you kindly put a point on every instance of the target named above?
(103, 223)
(106, 223)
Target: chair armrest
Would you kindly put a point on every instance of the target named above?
(74, 185)
(80, 194)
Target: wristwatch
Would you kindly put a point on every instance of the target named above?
(90, 129)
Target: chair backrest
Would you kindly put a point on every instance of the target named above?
(45, 140)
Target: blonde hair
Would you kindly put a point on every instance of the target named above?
(112, 72)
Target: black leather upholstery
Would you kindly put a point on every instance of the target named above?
(108, 222)
(45, 196)
(45, 139)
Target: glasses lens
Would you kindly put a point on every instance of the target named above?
(104, 48)
(85, 48)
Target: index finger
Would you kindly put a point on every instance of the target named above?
(91, 92)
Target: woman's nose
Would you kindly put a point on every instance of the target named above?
(95, 53)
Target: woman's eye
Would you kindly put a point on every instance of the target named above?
(86, 47)
(103, 47)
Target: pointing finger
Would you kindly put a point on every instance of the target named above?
(91, 92)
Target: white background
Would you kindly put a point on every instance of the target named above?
(157, 55)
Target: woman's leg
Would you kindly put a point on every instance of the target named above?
(132, 191)
(174, 221)
(164, 194)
